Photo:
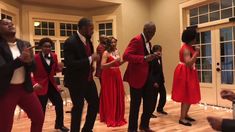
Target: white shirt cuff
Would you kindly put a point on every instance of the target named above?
(90, 59)
(35, 85)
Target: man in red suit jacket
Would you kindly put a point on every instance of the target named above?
(139, 55)
(44, 82)
(100, 50)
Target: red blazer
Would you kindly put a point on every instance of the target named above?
(40, 75)
(138, 69)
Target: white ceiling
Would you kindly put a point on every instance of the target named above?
(78, 4)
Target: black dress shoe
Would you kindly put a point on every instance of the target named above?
(185, 123)
(63, 128)
(131, 130)
(189, 119)
(153, 116)
(162, 112)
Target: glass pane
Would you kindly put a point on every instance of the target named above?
(193, 20)
(101, 26)
(52, 32)
(203, 9)
(206, 50)
(44, 32)
(37, 24)
(9, 17)
(198, 64)
(198, 38)
(101, 33)
(214, 6)
(62, 54)
(75, 27)
(37, 31)
(3, 16)
(227, 63)
(74, 32)
(214, 16)
(206, 63)
(226, 34)
(226, 13)
(207, 76)
(62, 26)
(44, 25)
(109, 26)
(68, 26)
(69, 33)
(61, 46)
(226, 3)
(199, 75)
(53, 46)
(206, 37)
(203, 18)
(226, 49)
(193, 12)
(109, 32)
(62, 32)
(51, 25)
(227, 77)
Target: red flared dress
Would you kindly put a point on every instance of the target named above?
(112, 96)
(186, 87)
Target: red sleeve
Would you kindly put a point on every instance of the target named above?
(131, 52)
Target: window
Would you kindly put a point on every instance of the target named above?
(67, 29)
(204, 61)
(44, 28)
(106, 29)
(211, 12)
(3, 15)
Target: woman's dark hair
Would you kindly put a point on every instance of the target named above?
(156, 48)
(189, 35)
(108, 44)
(44, 40)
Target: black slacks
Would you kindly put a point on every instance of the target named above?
(57, 101)
(78, 93)
(147, 92)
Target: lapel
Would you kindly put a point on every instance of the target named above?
(6, 51)
(145, 49)
(82, 45)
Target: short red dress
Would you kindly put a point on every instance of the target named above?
(112, 96)
(186, 87)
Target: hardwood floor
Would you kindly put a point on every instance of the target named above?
(168, 123)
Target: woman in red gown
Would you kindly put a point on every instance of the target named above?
(186, 84)
(112, 103)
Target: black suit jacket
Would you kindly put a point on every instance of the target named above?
(157, 71)
(76, 62)
(8, 65)
(228, 125)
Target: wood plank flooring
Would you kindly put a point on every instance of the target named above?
(168, 123)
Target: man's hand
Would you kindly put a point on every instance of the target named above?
(95, 57)
(60, 66)
(37, 87)
(215, 122)
(155, 85)
(150, 57)
(227, 94)
(26, 56)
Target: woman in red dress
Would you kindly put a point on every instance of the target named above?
(186, 84)
(112, 104)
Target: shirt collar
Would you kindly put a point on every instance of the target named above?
(83, 38)
(145, 40)
(49, 55)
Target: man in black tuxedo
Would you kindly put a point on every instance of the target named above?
(79, 57)
(219, 124)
